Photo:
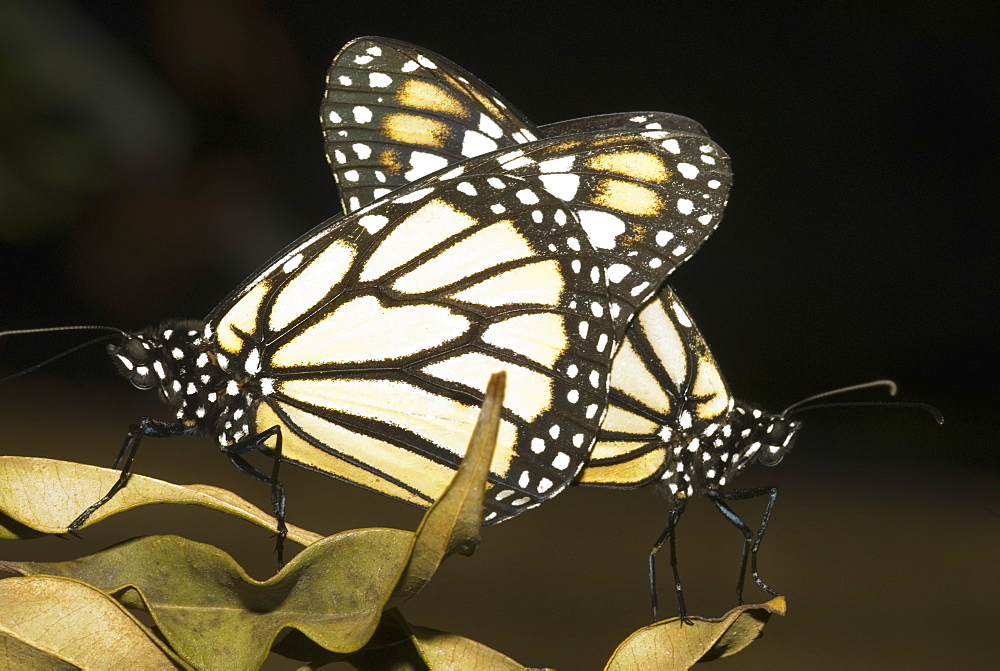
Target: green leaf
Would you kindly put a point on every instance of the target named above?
(333, 592)
(672, 645)
(55, 623)
(215, 616)
(441, 650)
(400, 645)
(453, 523)
(46, 495)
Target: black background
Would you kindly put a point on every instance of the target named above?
(154, 153)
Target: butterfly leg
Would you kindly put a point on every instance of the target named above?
(278, 500)
(735, 520)
(147, 426)
(719, 497)
(669, 534)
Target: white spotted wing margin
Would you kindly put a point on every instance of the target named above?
(372, 339)
(647, 188)
(394, 113)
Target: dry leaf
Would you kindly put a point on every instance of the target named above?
(52, 623)
(672, 645)
(47, 494)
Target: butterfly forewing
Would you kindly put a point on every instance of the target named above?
(647, 187)
(394, 113)
(645, 201)
(373, 341)
(666, 399)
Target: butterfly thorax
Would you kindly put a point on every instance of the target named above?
(711, 461)
(178, 359)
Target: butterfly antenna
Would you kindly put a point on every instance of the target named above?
(808, 402)
(52, 329)
(115, 333)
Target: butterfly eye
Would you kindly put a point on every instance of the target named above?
(133, 359)
(777, 433)
(136, 351)
(778, 441)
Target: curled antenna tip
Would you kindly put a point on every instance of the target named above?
(810, 402)
(936, 414)
(889, 384)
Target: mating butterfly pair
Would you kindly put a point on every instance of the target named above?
(472, 242)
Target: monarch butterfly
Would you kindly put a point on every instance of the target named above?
(363, 349)
(431, 114)
(672, 420)
(394, 112)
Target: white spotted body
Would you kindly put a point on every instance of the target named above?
(208, 398)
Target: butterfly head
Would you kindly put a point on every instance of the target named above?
(157, 357)
(778, 440)
(760, 436)
(137, 359)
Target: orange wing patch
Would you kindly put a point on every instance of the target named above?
(429, 97)
(391, 160)
(415, 130)
(628, 197)
(637, 164)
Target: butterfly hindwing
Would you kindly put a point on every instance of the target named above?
(373, 339)
(667, 398)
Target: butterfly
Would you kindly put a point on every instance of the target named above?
(363, 350)
(395, 112)
(671, 420)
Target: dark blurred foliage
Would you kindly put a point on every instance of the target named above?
(153, 153)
